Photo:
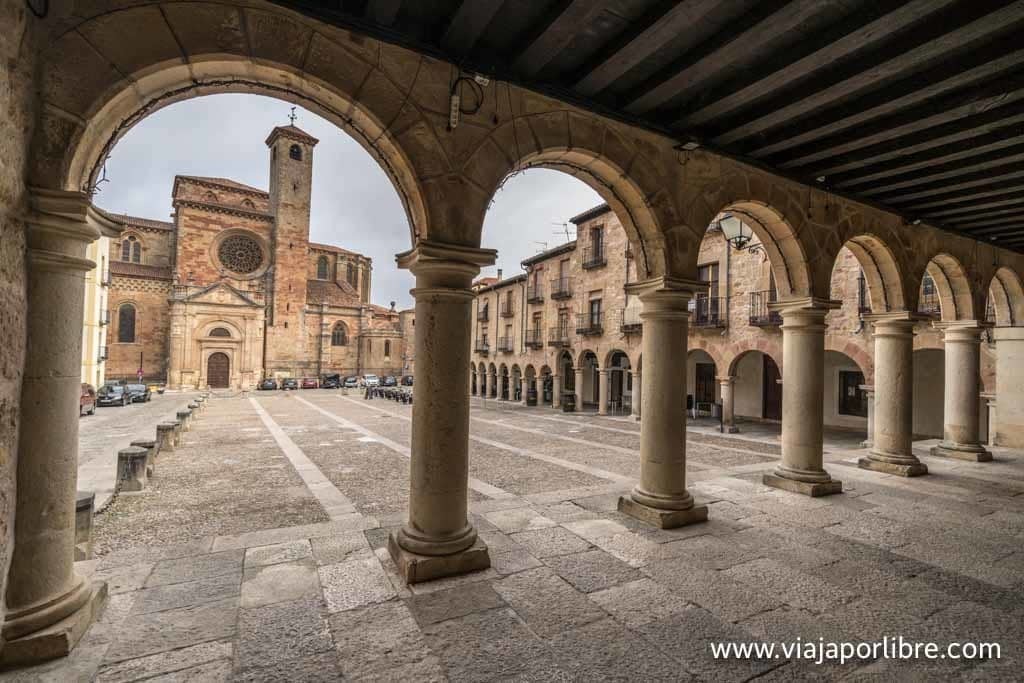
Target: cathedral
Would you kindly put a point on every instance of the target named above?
(231, 290)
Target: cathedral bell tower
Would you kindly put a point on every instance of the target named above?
(291, 178)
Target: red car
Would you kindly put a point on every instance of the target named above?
(87, 400)
(309, 383)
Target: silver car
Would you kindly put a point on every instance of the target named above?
(371, 380)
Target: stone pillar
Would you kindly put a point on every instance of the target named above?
(726, 386)
(523, 386)
(990, 403)
(602, 391)
(165, 436)
(438, 540)
(803, 376)
(637, 396)
(49, 606)
(131, 468)
(1010, 386)
(961, 428)
(869, 392)
(579, 389)
(661, 497)
(556, 391)
(893, 438)
(185, 419)
(492, 384)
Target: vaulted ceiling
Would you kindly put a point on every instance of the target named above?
(915, 105)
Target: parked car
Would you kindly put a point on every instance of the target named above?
(290, 383)
(371, 380)
(112, 395)
(407, 381)
(139, 393)
(351, 382)
(309, 383)
(330, 382)
(267, 384)
(389, 381)
(87, 400)
(156, 388)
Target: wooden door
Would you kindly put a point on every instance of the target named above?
(772, 390)
(218, 368)
(704, 383)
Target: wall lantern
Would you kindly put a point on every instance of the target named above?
(736, 232)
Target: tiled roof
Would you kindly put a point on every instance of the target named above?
(331, 293)
(554, 251)
(126, 220)
(223, 182)
(590, 213)
(331, 248)
(140, 270)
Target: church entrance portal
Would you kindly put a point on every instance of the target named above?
(217, 375)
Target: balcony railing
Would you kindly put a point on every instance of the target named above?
(990, 310)
(505, 344)
(929, 304)
(760, 316)
(105, 317)
(589, 324)
(559, 336)
(709, 311)
(102, 354)
(483, 314)
(482, 346)
(561, 288)
(629, 321)
(534, 294)
(508, 309)
(594, 257)
(534, 339)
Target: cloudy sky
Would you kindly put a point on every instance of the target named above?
(354, 204)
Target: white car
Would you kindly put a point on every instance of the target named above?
(371, 380)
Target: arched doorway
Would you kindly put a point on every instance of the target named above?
(619, 381)
(929, 392)
(218, 371)
(757, 391)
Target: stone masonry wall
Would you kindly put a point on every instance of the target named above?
(152, 320)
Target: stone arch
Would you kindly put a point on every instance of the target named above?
(585, 355)
(131, 246)
(127, 322)
(612, 353)
(956, 299)
(712, 350)
(766, 349)
(855, 352)
(323, 268)
(1006, 294)
(210, 326)
(339, 334)
(882, 274)
(95, 89)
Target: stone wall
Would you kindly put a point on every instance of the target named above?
(18, 104)
(152, 320)
(157, 244)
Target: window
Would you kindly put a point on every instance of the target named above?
(240, 254)
(595, 312)
(597, 239)
(863, 303)
(322, 268)
(852, 399)
(126, 324)
(295, 152)
(210, 197)
(350, 274)
(131, 249)
(247, 203)
(709, 273)
(339, 336)
(219, 332)
(387, 348)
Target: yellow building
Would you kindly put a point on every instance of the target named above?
(96, 314)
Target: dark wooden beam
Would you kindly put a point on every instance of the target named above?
(1001, 231)
(985, 165)
(898, 197)
(748, 34)
(1001, 221)
(560, 27)
(383, 12)
(933, 48)
(468, 24)
(961, 198)
(983, 215)
(975, 206)
(945, 163)
(660, 27)
(855, 36)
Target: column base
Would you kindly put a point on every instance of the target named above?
(663, 519)
(899, 469)
(813, 489)
(731, 429)
(969, 452)
(59, 639)
(867, 443)
(415, 568)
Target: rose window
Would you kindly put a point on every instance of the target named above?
(240, 254)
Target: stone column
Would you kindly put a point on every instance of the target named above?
(661, 497)
(579, 388)
(523, 387)
(990, 403)
(556, 391)
(892, 447)
(438, 539)
(49, 606)
(1010, 386)
(961, 428)
(602, 391)
(869, 392)
(726, 386)
(637, 397)
(803, 376)
(492, 385)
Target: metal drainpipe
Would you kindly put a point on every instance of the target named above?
(359, 344)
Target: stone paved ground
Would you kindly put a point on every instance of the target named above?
(258, 555)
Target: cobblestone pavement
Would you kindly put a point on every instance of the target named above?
(258, 555)
(112, 428)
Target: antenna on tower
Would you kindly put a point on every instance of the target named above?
(292, 116)
(565, 230)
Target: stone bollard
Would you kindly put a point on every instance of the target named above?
(202, 402)
(131, 468)
(151, 453)
(194, 407)
(185, 418)
(165, 436)
(177, 433)
(85, 503)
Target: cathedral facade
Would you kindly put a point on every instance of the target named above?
(232, 290)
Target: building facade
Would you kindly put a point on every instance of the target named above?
(569, 327)
(96, 318)
(232, 290)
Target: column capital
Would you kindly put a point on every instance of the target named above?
(867, 388)
(1008, 334)
(807, 304)
(445, 260)
(894, 323)
(726, 379)
(70, 215)
(961, 330)
(666, 288)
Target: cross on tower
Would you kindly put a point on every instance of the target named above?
(292, 116)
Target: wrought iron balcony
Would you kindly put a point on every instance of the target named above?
(559, 336)
(594, 257)
(760, 316)
(589, 324)
(561, 288)
(534, 339)
(105, 317)
(709, 311)
(482, 346)
(534, 294)
(102, 354)
(508, 309)
(929, 304)
(483, 314)
(629, 321)
(990, 310)
(505, 344)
